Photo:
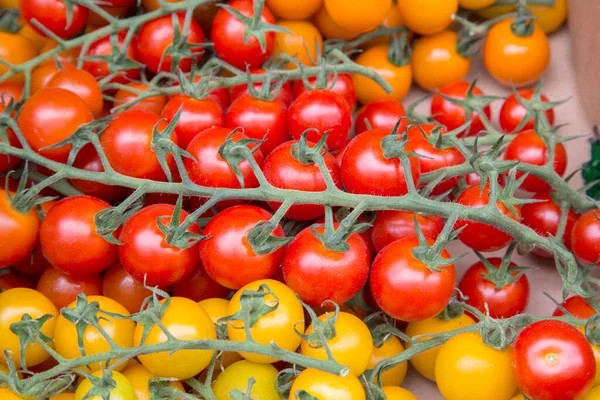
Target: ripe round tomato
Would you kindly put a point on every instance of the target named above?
(399, 77)
(366, 170)
(145, 253)
(10, 279)
(550, 18)
(435, 61)
(544, 218)
(427, 17)
(303, 42)
(352, 345)
(53, 15)
(14, 303)
(62, 289)
(69, 56)
(237, 375)
(380, 114)
(318, 273)
(185, 320)
(33, 265)
(390, 348)
(10, 90)
(407, 289)
(50, 116)
(284, 9)
(341, 84)
(199, 286)
(553, 360)
(475, 4)
(397, 393)
(324, 111)
(527, 147)
(392, 225)
(88, 159)
(285, 92)
(452, 115)
(122, 288)
(69, 240)
(513, 60)
(477, 235)
(513, 112)
(41, 75)
(102, 48)
(15, 49)
(228, 34)
(81, 83)
(261, 119)
(283, 170)
(468, 369)
(216, 310)
(393, 19)
(127, 143)
(139, 376)
(8, 394)
(156, 36)
(502, 302)
(585, 238)
(577, 306)
(123, 389)
(18, 232)
(153, 104)
(118, 329)
(356, 15)
(324, 385)
(331, 29)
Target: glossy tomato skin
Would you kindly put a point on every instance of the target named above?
(153, 104)
(452, 115)
(366, 170)
(427, 17)
(236, 376)
(260, 119)
(145, 251)
(553, 360)
(504, 302)
(392, 225)
(200, 286)
(52, 14)
(529, 148)
(380, 114)
(405, 288)
(103, 47)
(513, 112)
(356, 16)
(577, 306)
(317, 273)
(341, 84)
(18, 232)
(124, 289)
(544, 218)
(585, 238)
(284, 95)
(477, 235)
(323, 385)
(83, 84)
(157, 35)
(62, 289)
(228, 36)
(88, 159)
(323, 110)
(50, 116)
(304, 42)
(284, 171)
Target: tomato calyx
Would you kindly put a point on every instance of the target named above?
(269, 89)
(323, 331)
(536, 109)
(523, 24)
(109, 220)
(382, 328)
(253, 305)
(306, 155)
(336, 239)
(180, 48)
(592, 329)
(505, 274)
(431, 255)
(236, 152)
(29, 331)
(399, 50)
(26, 198)
(162, 145)
(261, 237)
(178, 235)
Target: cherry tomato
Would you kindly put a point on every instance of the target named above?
(95, 20)
(544, 218)
(390, 348)
(513, 60)
(331, 29)
(15, 50)
(577, 306)
(529, 148)
(397, 393)
(452, 115)
(585, 238)
(392, 225)
(435, 61)
(477, 235)
(475, 4)
(237, 375)
(261, 119)
(380, 114)
(156, 36)
(145, 253)
(10, 279)
(427, 17)
(284, 95)
(318, 273)
(366, 170)
(324, 385)
(303, 43)
(139, 376)
(69, 56)
(393, 19)
(62, 289)
(216, 310)
(88, 159)
(104, 47)
(55, 16)
(33, 265)
(185, 320)
(123, 389)
(399, 77)
(293, 10)
(550, 18)
(153, 104)
(283, 170)
(49, 117)
(10, 90)
(553, 360)
(18, 232)
(14, 304)
(81, 83)
(122, 288)
(356, 15)
(41, 75)
(513, 112)
(593, 394)
(199, 286)
(341, 84)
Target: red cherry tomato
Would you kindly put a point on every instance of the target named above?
(121, 287)
(585, 238)
(34, 265)
(317, 273)
(62, 289)
(220, 95)
(285, 92)
(343, 85)
(553, 360)
(199, 286)
(10, 90)
(10, 279)
(577, 306)
(325, 111)
(405, 288)
(145, 253)
(53, 15)
(88, 159)
(390, 226)
(103, 47)
(18, 232)
(381, 114)
(513, 112)
(83, 84)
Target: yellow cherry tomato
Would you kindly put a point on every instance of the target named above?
(596, 350)
(28, 32)
(236, 376)
(351, 346)
(550, 18)
(217, 309)
(185, 320)
(294, 10)
(139, 377)
(393, 19)
(593, 394)
(475, 4)
(521, 397)
(399, 77)
(358, 15)
(123, 389)
(494, 11)
(329, 28)
(424, 362)
(118, 329)
(64, 396)
(7, 394)
(397, 393)
(276, 326)
(9, 3)
(14, 304)
(15, 50)
(468, 369)
(390, 348)
(435, 61)
(427, 17)
(515, 60)
(323, 385)
(304, 36)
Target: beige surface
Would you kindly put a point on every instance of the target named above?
(559, 84)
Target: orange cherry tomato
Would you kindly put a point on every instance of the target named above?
(358, 15)
(153, 104)
(10, 90)
(18, 232)
(393, 19)
(305, 36)
(294, 10)
(28, 32)
(15, 50)
(475, 4)
(67, 56)
(83, 84)
(41, 75)
(329, 28)
(427, 17)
